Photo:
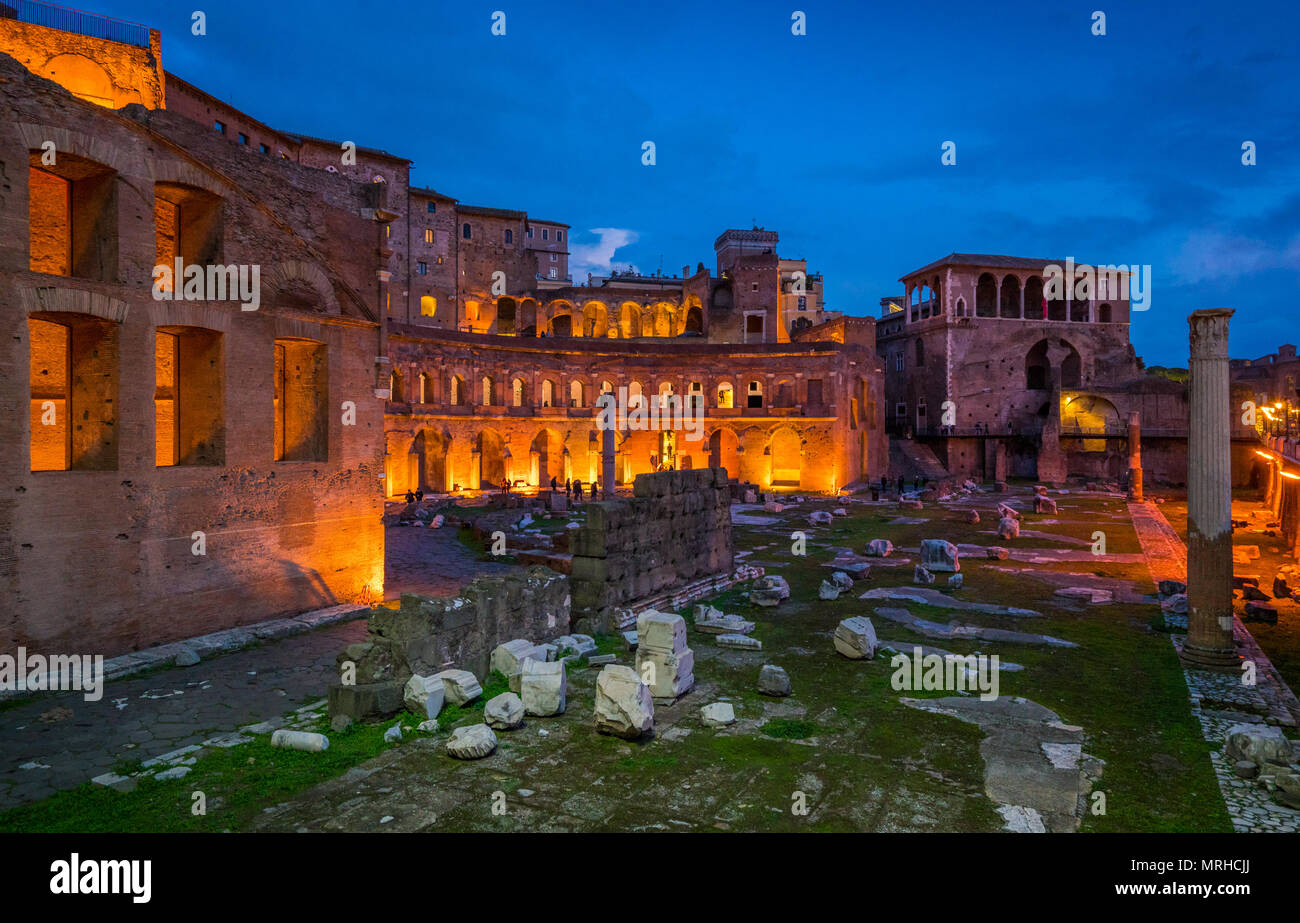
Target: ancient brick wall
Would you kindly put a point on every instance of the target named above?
(675, 528)
(101, 558)
(110, 74)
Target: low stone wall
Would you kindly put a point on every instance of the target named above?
(430, 634)
(676, 528)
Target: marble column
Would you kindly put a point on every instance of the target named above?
(1135, 456)
(1209, 495)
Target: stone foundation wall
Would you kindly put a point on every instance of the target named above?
(676, 528)
(427, 634)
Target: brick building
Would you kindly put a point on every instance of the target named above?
(192, 462)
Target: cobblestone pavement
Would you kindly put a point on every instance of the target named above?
(430, 561)
(56, 742)
(1221, 700)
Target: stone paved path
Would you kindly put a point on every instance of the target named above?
(429, 561)
(67, 741)
(52, 743)
(1220, 700)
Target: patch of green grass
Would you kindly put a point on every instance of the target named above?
(790, 728)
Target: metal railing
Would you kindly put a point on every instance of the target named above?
(70, 20)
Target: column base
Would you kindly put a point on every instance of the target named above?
(1210, 658)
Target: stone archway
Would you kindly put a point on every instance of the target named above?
(786, 450)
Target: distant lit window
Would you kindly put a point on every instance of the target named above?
(428, 306)
(553, 257)
(428, 235)
(554, 273)
(388, 230)
(219, 126)
(421, 268)
(803, 302)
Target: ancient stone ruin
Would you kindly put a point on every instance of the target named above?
(675, 529)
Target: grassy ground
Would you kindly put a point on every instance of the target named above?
(844, 740)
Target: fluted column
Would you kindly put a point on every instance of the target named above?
(1209, 495)
(1135, 456)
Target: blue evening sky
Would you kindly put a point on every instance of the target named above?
(1117, 149)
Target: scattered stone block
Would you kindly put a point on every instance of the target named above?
(939, 555)
(819, 518)
(460, 686)
(542, 688)
(739, 642)
(662, 642)
(300, 740)
(630, 639)
(1262, 744)
(773, 680)
(471, 743)
(393, 734)
(1175, 605)
(1008, 512)
(1044, 504)
(366, 700)
(504, 712)
(602, 659)
(1260, 612)
(1008, 528)
(624, 705)
(955, 581)
(725, 625)
(842, 580)
(1255, 594)
(828, 591)
(1246, 769)
(910, 505)
(972, 517)
(880, 548)
(1281, 589)
(996, 553)
(769, 591)
(185, 657)
(424, 695)
(1171, 587)
(718, 715)
(922, 576)
(839, 511)
(855, 638)
(1091, 595)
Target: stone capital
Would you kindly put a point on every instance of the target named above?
(1209, 333)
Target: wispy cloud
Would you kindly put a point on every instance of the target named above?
(598, 258)
(1213, 256)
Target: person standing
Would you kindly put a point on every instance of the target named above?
(577, 490)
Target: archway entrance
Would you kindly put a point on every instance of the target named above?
(491, 459)
(786, 453)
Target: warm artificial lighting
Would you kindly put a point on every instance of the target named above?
(1288, 474)
(1263, 455)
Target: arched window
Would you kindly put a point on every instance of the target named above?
(548, 393)
(487, 391)
(726, 397)
(575, 393)
(635, 396)
(428, 306)
(457, 391)
(754, 395)
(961, 307)
(517, 392)
(424, 388)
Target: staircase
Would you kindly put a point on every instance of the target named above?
(914, 459)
